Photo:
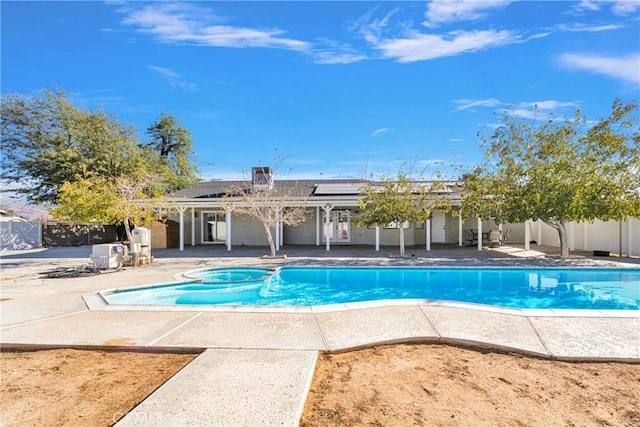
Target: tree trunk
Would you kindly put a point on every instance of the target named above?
(272, 245)
(127, 230)
(560, 226)
(401, 239)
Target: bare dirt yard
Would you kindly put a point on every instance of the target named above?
(79, 387)
(434, 385)
(399, 385)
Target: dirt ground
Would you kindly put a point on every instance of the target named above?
(431, 385)
(398, 385)
(79, 387)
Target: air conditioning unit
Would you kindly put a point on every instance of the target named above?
(107, 255)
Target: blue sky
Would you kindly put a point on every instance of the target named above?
(329, 88)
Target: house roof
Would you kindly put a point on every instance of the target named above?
(293, 188)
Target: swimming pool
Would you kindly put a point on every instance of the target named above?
(551, 288)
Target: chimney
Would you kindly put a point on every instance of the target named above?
(262, 177)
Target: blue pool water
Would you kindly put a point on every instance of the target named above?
(297, 286)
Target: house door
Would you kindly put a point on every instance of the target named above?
(438, 227)
(339, 228)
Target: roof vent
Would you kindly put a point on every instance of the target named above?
(262, 177)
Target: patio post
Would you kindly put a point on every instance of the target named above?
(527, 235)
(181, 212)
(427, 227)
(327, 238)
(318, 226)
(281, 233)
(277, 230)
(227, 212)
(377, 238)
(479, 233)
(460, 229)
(193, 227)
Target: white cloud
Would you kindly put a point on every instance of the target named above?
(625, 68)
(188, 23)
(338, 58)
(588, 5)
(619, 7)
(446, 11)
(625, 7)
(336, 53)
(378, 26)
(422, 47)
(583, 28)
(548, 104)
(541, 109)
(173, 78)
(379, 132)
(464, 104)
(526, 113)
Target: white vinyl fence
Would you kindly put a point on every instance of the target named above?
(611, 236)
(16, 235)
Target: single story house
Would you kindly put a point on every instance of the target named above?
(206, 214)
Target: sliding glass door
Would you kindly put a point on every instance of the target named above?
(214, 227)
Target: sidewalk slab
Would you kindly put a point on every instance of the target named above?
(485, 327)
(25, 307)
(289, 331)
(361, 327)
(588, 337)
(231, 388)
(101, 328)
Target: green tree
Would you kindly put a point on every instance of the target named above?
(46, 142)
(173, 143)
(134, 198)
(560, 170)
(399, 200)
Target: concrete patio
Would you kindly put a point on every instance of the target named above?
(257, 363)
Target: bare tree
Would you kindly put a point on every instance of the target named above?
(271, 203)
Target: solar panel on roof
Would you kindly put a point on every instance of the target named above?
(336, 188)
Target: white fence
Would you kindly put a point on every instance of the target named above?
(16, 235)
(611, 236)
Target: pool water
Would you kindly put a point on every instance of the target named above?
(617, 289)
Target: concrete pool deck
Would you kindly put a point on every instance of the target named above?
(256, 363)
